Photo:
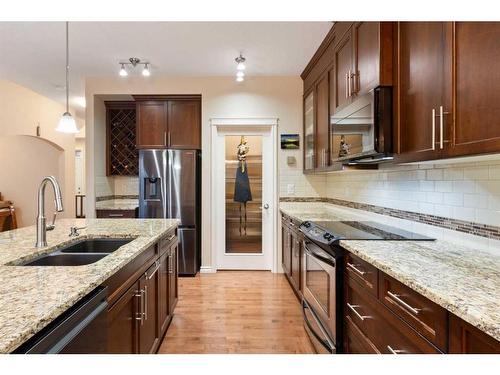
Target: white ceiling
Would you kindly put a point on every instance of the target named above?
(32, 53)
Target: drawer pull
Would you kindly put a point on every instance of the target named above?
(394, 351)
(170, 238)
(115, 215)
(396, 298)
(355, 269)
(353, 309)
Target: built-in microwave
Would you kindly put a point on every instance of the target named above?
(361, 133)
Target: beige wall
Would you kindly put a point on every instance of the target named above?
(221, 97)
(21, 111)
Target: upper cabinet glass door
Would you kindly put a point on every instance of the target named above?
(309, 130)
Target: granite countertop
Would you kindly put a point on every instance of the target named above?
(31, 297)
(117, 204)
(463, 280)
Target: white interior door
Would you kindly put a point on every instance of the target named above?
(262, 206)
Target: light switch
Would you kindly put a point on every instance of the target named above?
(290, 189)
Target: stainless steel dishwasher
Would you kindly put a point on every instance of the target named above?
(82, 329)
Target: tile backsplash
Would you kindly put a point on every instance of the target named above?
(116, 185)
(469, 192)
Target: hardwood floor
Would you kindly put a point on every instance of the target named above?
(236, 312)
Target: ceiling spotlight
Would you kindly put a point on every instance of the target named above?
(134, 61)
(240, 60)
(240, 74)
(123, 71)
(239, 79)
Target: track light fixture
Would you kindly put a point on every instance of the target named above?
(240, 74)
(134, 61)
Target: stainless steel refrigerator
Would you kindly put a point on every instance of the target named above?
(170, 184)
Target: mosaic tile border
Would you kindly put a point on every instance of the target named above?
(110, 197)
(469, 227)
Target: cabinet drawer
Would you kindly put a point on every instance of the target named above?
(355, 341)
(115, 214)
(382, 327)
(426, 317)
(363, 272)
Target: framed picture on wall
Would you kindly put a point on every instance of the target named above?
(290, 141)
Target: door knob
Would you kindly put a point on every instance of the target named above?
(266, 206)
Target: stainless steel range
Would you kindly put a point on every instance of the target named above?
(322, 268)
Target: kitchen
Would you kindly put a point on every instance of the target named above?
(343, 200)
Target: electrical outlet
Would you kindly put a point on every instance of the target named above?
(290, 189)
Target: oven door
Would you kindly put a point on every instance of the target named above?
(319, 286)
(319, 338)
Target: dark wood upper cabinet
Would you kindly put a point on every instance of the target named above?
(423, 89)
(184, 124)
(476, 128)
(122, 158)
(343, 70)
(322, 121)
(169, 121)
(151, 124)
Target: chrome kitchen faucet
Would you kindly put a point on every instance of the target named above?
(41, 226)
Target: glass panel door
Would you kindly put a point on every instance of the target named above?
(243, 161)
(309, 131)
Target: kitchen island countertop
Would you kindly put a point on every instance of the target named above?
(31, 297)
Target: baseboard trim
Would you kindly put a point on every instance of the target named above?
(207, 269)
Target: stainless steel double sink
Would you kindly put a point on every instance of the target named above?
(85, 251)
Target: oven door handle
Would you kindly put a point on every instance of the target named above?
(323, 255)
(326, 342)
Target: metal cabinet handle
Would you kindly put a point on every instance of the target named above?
(433, 129)
(168, 138)
(441, 126)
(157, 263)
(165, 139)
(115, 215)
(394, 351)
(171, 237)
(349, 83)
(145, 302)
(346, 85)
(355, 269)
(140, 314)
(396, 298)
(170, 264)
(353, 309)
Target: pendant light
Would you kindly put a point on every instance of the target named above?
(67, 123)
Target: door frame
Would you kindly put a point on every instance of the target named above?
(218, 205)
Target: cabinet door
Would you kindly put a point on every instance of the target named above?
(295, 271)
(184, 124)
(366, 56)
(173, 271)
(149, 327)
(151, 125)
(424, 86)
(309, 131)
(344, 69)
(477, 88)
(322, 121)
(163, 313)
(123, 320)
(286, 249)
(466, 339)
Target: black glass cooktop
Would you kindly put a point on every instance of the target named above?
(368, 230)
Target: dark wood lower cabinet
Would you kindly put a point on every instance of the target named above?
(291, 250)
(123, 318)
(149, 329)
(467, 339)
(139, 318)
